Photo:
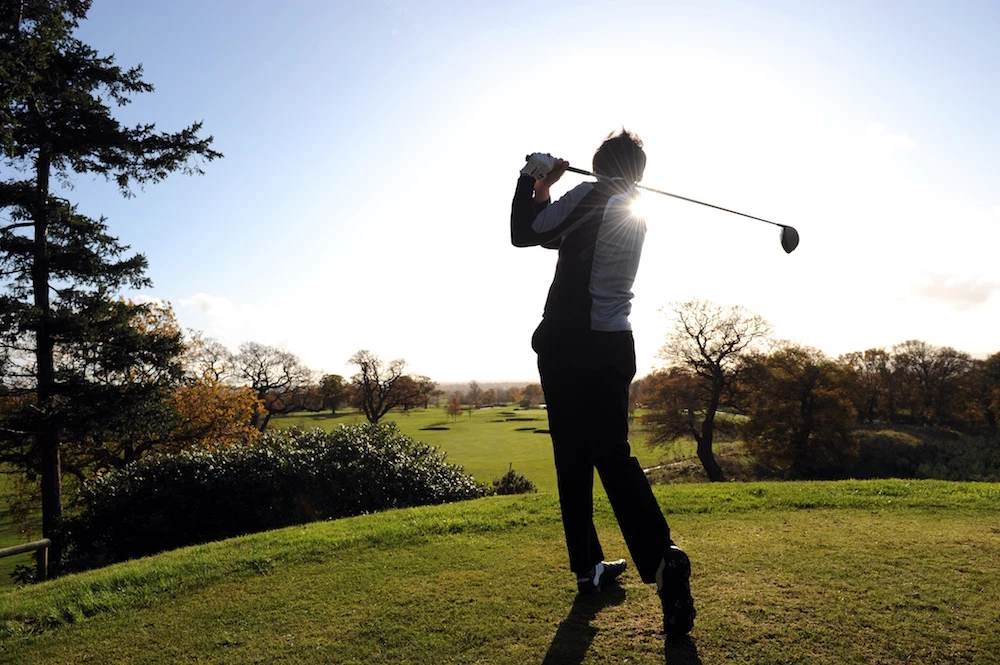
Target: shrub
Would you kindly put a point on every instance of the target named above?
(289, 478)
(920, 453)
(513, 482)
(974, 458)
(885, 454)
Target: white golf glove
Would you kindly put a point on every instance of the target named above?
(539, 165)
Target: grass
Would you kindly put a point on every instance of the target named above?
(10, 535)
(486, 443)
(839, 572)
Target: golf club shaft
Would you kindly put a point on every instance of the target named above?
(682, 198)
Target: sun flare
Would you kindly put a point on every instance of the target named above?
(640, 206)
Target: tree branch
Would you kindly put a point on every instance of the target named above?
(19, 225)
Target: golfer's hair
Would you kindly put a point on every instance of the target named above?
(621, 156)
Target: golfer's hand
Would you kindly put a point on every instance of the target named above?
(542, 186)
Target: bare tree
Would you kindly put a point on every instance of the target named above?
(377, 385)
(709, 341)
(208, 358)
(271, 373)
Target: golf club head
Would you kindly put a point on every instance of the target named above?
(789, 239)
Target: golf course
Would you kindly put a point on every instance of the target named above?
(881, 571)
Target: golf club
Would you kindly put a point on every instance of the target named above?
(789, 236)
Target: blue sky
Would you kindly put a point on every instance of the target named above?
(371, 151)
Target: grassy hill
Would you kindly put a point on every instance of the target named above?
(485, 444)
(839, 572)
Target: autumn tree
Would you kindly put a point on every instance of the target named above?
(427, 390)
(375, 384)
(989, 392)
(213, 415)
(708, 343)
(333, 388)
(637, 391)
(474, 397)
(304, 397)
(799, 412)
(675, 396)
(931, 380)
(531, 395)
(273, 374)
(980, 386)
(455, 406)
(869, 373)
(408, 393)
(489, 396)
(56, 96)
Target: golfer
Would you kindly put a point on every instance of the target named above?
(586, 360)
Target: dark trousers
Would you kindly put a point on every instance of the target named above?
(588, 422)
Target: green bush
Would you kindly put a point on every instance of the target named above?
(289, 478)
(513, 482)
(974, 458)
(885, 454)
(925, 454)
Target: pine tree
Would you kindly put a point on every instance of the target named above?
(59, 270)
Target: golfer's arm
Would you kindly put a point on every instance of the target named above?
(523, 211)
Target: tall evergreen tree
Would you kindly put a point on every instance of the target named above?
(59, 268)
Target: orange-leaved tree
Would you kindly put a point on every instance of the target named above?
(214, 415)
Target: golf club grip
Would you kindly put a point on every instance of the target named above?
(571, 169)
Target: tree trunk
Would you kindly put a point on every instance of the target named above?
(707, 435)
(707, 458)
(47, 432)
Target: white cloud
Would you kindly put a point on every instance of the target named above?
(960, 293)
(209, 304)
(221, 319)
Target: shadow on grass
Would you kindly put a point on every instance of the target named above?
(434, 428)
(682, 651)
(574, 635)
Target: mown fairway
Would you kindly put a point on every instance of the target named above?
(485, 444)
(840, 572)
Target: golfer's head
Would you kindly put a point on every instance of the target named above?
(621, 156)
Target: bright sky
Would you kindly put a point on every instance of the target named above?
(372, 148)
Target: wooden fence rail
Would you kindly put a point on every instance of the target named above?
(41, 550)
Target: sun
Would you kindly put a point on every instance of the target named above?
(640, 206)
